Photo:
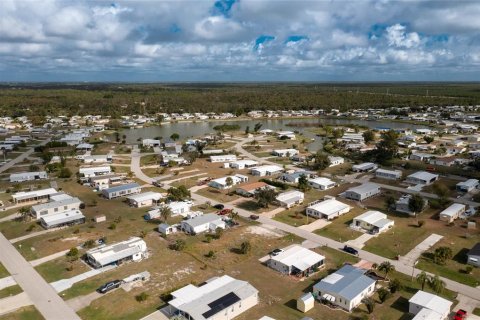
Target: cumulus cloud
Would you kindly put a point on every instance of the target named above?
(238, 40)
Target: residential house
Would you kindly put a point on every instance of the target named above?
(364, 167)
(121, 190)
(144, 199)
(452, 213)
(61, 219)
(36, 195)
(402, 205)
(444, 161)
(321, 183)
(250, 189)
(422, 177)
(286, 135)
(266, 170)
(473, 255)
(373, 222)
(177, 207)
(467, 186)
(99, 158)
(65, 203)
(296, 260)
(104, 181)
(420, 156)
(223, 183)
(388, 174)
(293, 177)
(327, 209)
(291, 198)
(133, 249)
(362, 192)
(150, 143)
(427, 306)
(203, 223)
(89, 172)
(345, 288)
(335, 161)
(242, 164)
(219, 298)
(223, 158)
(28, 176)
(285, 152)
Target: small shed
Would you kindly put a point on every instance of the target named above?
(100, 218)
(306, 302)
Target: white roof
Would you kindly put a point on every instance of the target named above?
(114, 252)
(150, 195)
(203, 219)
(427, 314)
(94, 169)
(63, 217)
(289, 195)
(431, 301)
(453, 209)
(225, 156)
(197, 301)
(468, 183)
(329, 207)
(27, 174)
(375, 218)
(36, 193)
(423, 175)
(299, 257)
(394, 172)
(364, 188)
(56, 204)
(271, 168)
(321, 181)
(285, 150)
(246, 162)
(364, 165)
(174, 205)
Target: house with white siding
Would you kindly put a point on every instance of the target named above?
(203, 223)
(362, 192)
(28, 176)
(327, 209)
(388, 174)
(322, 183)
(121, 190)
(291, 198)
(66, 203)
(223, 183)
(133, 249)
(296, 260)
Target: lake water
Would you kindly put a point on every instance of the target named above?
(199, 128)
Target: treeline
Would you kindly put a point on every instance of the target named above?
(117, 100)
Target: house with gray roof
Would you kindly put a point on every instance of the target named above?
(203, 223)
(134, 249)
(362, 192)
(121, 190)
(345, 288)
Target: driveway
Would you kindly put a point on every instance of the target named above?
(423, 246)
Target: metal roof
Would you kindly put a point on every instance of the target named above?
(299, 257)
(329, 207)
(63, 217)
(122, 187)
(431, 301)
(56, 204)
(347, 282)
(203, 219)
(364, 188)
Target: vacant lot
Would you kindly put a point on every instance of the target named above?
(339, 229)
(61, 268)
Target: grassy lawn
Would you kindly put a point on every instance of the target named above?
(252, 205)
(293, 217)
(221, 196)
(339, 229)
(339, 170)
(10, 291)
(454, 269)
(262, 154)
(3, 272)
(57, 269)
(149, 160)
(476, 311)
(25, 313)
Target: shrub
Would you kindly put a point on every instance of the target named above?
(178, 245)
(113, 226)
(141, 297)
(421, 223)
(383, 294)
(31, 227)
(210, 254)
(468, 269)
(89, 243)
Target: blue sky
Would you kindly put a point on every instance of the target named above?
(239, 40)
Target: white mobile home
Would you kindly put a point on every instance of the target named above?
(322, 183)
(266, 170)
(177, 207)
(66, 218)
(362, 192)
(335, 161)
(373, 222)
(203, 223)
(422, 177)
(289, 199)
(327, 209)
(94, 171)
(28, 176)
(242, 164)
(250, 189)
(467, 186)
(223, 183)
(144, 199)
(54, 207)
(121, 190)
(133, 249)
(285, 152)
(219, 298)
(345, 288)
(364, 167)
(223, 158)
(388, 174)
(426, 305)
(150, 143)
(30, 196)
(99, 158)
(296, 260)
(452, 213)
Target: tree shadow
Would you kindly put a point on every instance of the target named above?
(461, 256)
(400, 304)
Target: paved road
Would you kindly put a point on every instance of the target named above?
(42, 295)
(21, 157)
(135, 166)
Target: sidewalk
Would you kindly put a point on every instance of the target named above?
(64, 284)
(13, 303)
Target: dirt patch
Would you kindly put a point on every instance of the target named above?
(262, 231)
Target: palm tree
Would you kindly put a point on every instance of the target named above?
(229, 181)
(436, 284)
(165, 213)
(25, 213)
(233, 215)
(245, 247)
(370, 304)
(386, 267)
(422, 278)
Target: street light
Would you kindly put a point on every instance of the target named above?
(413, 268)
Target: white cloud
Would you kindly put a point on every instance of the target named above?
(398, 37)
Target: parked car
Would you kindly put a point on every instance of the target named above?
(109, 286)
(276, 252)
(254, 217)
(219, 206)
(224, 212)
(350, 250)
(460, 315)
(157, 184)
